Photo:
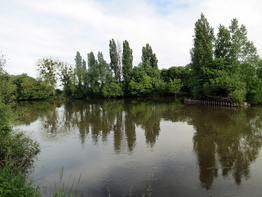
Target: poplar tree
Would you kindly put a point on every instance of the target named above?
(79, 69)
(103, 69)
(242, 49)
(114, 57)
(148, 55)
(127, 62)
(201, 54)
(222, 43)
(100, 56)
(93, 72)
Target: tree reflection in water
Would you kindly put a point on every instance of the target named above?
(226, 140)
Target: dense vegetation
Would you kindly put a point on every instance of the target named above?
(225, 66)
(17, 150)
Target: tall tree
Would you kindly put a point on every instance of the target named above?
(79, 70)
(100, 56)
(91, 60)
(201, 54)
(148, 55)
(78, 60)
(222, 43)
(93, 73)
(127, 62)
(242, 49)
(103, 68)
(114, 63)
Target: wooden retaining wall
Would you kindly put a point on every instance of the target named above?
(225, 103)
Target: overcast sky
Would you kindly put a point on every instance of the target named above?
(32, 29)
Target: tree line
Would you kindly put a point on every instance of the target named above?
(97, 78)
(223, 66)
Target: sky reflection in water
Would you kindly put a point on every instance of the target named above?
(122, 144)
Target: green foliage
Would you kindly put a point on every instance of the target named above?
(181, 73)
(201, 54)
(114, 60)
(5, 119)
(112, 89)
(7, 89)
(233, 71)
(222, 43)
(14, 184)
(17, 150)
(65, 76)
(127, 63)
(149, 56)
(141, 86)
(18, 147)
(47, 68)
(255, 93)
(242, 49)
(174, 85)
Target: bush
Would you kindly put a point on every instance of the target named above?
(14, 184)
(18, 147)
(112, 89)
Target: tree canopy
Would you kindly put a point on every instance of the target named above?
(225, 65)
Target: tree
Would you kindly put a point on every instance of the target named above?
(127, 63)
(91, 60)
(93, 73)
(201, 54)
(47, 68)
(103, 68)
(65, 75)
(100, 56)
(148, 55)
(141, 83)
(114, 60)
(80, 67)
(222, 43)
(78, 60)
(174, 86)
(112, 89)
(242, 49)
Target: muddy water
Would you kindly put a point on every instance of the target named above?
(143, 146)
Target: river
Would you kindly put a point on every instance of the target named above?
(159, 146)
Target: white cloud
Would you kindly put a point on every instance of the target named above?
(33, 29)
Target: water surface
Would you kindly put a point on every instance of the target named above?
(129, 145)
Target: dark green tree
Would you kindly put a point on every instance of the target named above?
(100, 56)
(114, 60)
(93, 73)
(103, 68)
(242, 49)
(201, 54)
(222, 43)
(148, 55)
(127, 63)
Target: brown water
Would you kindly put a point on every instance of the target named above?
(132, 144)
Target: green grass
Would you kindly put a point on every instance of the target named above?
(13, 182)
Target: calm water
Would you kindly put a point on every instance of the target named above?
(131, 144)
